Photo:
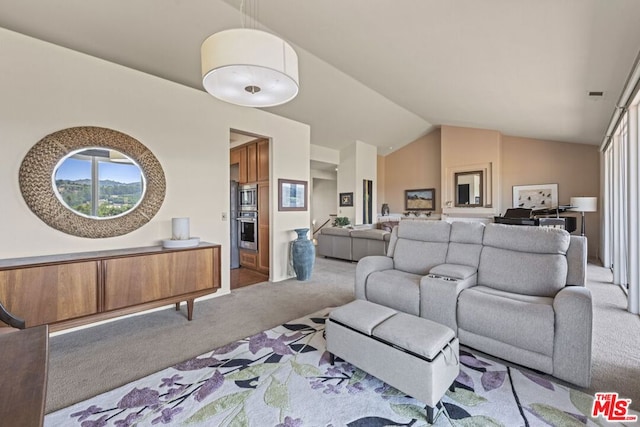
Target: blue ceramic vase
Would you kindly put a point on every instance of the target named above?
(303, 254)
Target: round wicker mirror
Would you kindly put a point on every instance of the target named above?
(37, 182)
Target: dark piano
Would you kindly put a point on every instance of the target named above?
(538, 218)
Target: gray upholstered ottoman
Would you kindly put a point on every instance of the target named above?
(415, 355)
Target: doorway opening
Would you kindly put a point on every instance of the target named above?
(250, 206)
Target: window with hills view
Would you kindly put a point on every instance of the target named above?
(118, 188)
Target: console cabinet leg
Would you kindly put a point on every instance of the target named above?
(177, 306)
(190, 309)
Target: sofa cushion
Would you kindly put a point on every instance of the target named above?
(465, 243)
(396, 289)
(417, 257)
(523, 321)
(467, 232)
(426, 231)
(542, 240)
(420, 245)
(464, 253)
(538, 254)
(523, 273)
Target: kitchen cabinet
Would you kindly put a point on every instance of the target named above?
(263, 227)
(238, 156)
(263, 160)
(252, 160)
(249, 258)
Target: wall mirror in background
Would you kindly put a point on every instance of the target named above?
(92, 182)
(468, 189)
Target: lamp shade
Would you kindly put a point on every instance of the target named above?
(251, 68)
(584, 204)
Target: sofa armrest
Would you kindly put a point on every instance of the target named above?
(365, 267)
(573, 308)
(577, 261)
(439, 298)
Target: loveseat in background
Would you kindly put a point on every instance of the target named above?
(352, 244)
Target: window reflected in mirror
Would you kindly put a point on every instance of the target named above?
(99, 182)
(468, 187)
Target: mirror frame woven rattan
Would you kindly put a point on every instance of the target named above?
(36, 182)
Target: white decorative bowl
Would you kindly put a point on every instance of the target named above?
(186, 243)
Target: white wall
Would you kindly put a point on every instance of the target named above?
(46, 88)
(366, 168)
(325, 154)
(358, 162)
(347, 180)
(323, 201)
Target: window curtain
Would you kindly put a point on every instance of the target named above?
(621, 204)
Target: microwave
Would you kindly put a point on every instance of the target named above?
(248, 197)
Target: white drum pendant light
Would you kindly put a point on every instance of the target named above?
(248, 67)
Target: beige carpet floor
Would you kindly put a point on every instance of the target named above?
(91, 361)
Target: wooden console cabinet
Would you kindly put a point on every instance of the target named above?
(70, 290)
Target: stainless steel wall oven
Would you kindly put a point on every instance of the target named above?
(248, 230)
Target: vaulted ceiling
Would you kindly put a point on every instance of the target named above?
(380, 71)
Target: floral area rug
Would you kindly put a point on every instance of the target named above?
(282, 377)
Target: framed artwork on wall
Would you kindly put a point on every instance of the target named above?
(346, 199)
(292, 195)
(538, 196)
(423, 199)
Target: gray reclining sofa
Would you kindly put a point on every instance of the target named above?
(514, 292)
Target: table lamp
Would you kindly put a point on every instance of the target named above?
(582, 205)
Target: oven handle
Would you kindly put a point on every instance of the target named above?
(246, 219)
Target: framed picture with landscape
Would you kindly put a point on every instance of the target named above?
(423, 199)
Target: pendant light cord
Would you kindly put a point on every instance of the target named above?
(251, 13)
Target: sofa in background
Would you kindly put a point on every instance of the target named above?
(514, 292)
(352, 244)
